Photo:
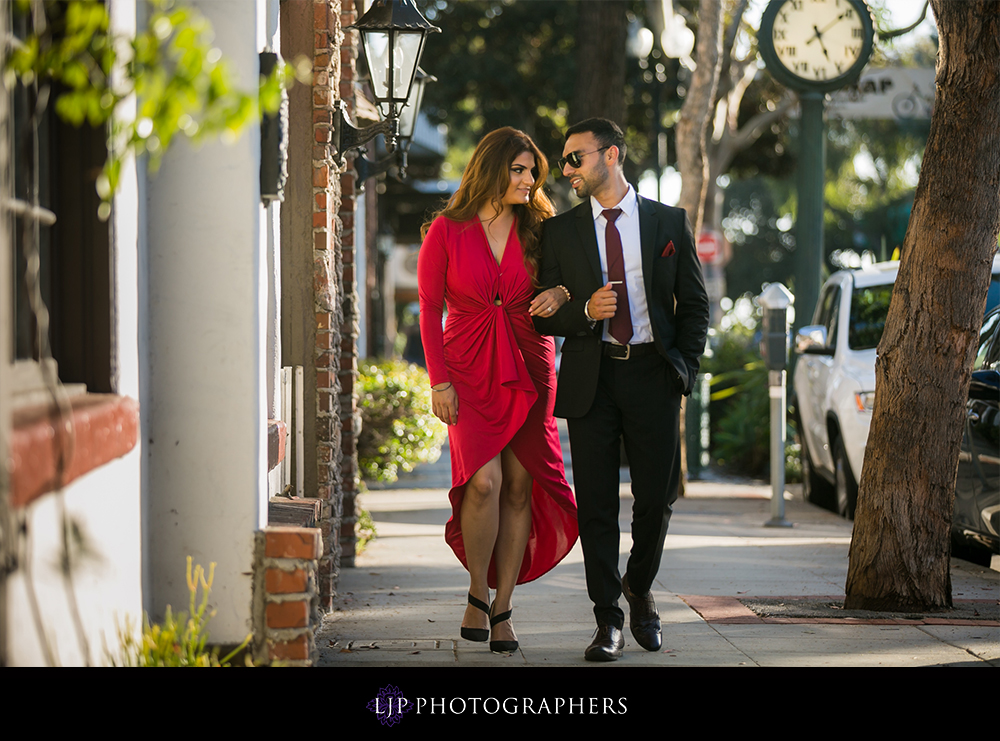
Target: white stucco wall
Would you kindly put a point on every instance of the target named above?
(270, 216)
(103, 507)
(360, 270)
(204, 396)
(270, 39)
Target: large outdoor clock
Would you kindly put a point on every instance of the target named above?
(819, 45)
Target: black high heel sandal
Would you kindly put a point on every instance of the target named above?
(479, 635)
(501, 647)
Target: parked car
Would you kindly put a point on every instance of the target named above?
(976, 522)
(834, 382)
(834, 386)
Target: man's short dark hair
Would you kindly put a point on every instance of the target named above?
(607, 133)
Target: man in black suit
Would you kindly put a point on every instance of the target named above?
(635, 327)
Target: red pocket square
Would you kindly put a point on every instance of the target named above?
(668, 250)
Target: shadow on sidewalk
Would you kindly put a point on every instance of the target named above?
(403, 603)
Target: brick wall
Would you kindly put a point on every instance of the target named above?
(350, 305)
(286, 602)
(326, 287)
(336, 299)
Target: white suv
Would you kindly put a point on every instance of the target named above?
(835, 382)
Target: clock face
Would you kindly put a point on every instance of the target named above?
(817, 43)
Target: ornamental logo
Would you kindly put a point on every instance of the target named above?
(389, 705)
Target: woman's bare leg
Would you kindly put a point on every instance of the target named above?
(512, 536)
(480, 518)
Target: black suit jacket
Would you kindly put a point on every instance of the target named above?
(675, 293)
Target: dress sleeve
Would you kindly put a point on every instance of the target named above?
(432, 269)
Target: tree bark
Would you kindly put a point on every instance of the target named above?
(899, 557)
(696, 113)
(691, 135)
(600, 82)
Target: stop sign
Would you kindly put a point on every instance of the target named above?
(709, 246)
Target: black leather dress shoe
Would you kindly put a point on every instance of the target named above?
(607, 644)
(643, 618)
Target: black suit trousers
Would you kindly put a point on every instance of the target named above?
(636, 402)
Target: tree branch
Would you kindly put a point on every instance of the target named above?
(729, 43)
(696, 113)
(900, 31)
(734, 28)
(732, 143)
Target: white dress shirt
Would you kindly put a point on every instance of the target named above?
(628, 228)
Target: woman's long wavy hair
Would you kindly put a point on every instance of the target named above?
(486, 180)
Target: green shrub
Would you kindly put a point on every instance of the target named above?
(180, 640)
(740, 407)
(398, 429)
(741, 440)
(366, 531)
(793, 458)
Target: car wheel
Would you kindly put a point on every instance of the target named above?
(815, 489)
(847, 485)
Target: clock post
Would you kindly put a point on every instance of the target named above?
(811, 177)
(814, 47)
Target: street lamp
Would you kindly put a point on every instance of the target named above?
(408, 116)
(639, 45)
(392, 33)
(407, 126)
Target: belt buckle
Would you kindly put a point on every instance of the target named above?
(628, 351)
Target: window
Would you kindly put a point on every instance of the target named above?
(56, 293)
(60, 164)
(988, 354)
(827, 311)
(869, 309)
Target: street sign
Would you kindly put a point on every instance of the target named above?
(893, 93)
(709, 247)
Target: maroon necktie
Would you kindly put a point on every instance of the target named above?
(620, 325)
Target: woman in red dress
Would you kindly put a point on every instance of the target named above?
(493, 379)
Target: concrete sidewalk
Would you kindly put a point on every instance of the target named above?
(403, 603)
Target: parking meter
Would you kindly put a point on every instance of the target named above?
(774, 342)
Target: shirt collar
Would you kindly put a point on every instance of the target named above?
(627, 204)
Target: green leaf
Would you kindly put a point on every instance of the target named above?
(183, 85)
(75, 74)
(72, 107)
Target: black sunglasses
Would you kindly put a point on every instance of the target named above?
(575, 159)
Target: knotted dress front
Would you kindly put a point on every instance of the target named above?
(504, 374)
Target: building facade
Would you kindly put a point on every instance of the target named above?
(199, 400)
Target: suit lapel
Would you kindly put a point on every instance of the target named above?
(588, 239)
(647, 237)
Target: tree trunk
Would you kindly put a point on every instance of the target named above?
(696, 113)
(691, 134)
(899, 558)
(600, 82)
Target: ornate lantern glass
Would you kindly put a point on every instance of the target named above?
(393, 33)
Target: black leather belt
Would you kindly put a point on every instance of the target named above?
(624, 352)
